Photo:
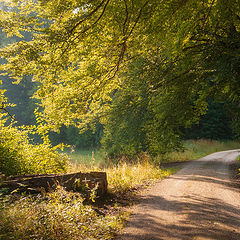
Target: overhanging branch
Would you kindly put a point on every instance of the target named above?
(5, 110)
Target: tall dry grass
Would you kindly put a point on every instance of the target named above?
(56, 216)
(125, 176)
(63, 216)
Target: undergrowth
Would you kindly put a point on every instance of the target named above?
(125, 176)
(56, 216)
(18, 155)
(62, 215)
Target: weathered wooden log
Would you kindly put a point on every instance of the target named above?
(79, 182)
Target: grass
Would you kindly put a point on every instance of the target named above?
(86, 156)
(125, 177)
(63, 215)
(59, 215)
(195, 149)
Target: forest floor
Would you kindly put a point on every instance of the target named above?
(201, 201)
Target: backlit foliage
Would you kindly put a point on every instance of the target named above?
(18, 155)
(81, 54)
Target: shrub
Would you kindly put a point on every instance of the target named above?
(19, 156)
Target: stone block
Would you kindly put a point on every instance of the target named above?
(78, 182)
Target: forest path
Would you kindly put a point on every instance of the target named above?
(198, 202)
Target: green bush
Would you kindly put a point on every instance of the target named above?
(19, 156)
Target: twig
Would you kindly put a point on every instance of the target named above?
(86, 29)
(4, 109)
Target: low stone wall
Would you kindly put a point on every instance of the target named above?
(78, 182)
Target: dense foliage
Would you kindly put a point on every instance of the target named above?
(71, 136)
(144, 69)
(19, 156)
(215, 124)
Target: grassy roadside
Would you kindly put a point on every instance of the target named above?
(62, 215)
(58, 215)
(194, 149)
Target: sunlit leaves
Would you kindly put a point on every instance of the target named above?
(81, 51)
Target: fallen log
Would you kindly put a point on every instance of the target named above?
(78, 182)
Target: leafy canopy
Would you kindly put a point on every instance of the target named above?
(81, 53)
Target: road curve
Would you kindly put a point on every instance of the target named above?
(198, 202)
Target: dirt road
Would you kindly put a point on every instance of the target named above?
(199, 202)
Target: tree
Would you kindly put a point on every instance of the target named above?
(18, 155)
(81, 51)
(89, 139)
(216, 124)
(19, 94)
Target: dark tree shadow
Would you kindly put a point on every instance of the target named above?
(205, 217)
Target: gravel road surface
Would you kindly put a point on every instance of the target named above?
(198, 202)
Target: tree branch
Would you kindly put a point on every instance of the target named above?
(124, 43)
(126, 18)
(86, 17)
(4, 109)
(86, 29)
(98, 19)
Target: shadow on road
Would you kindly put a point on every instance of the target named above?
(201, 218)
(212, 219)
